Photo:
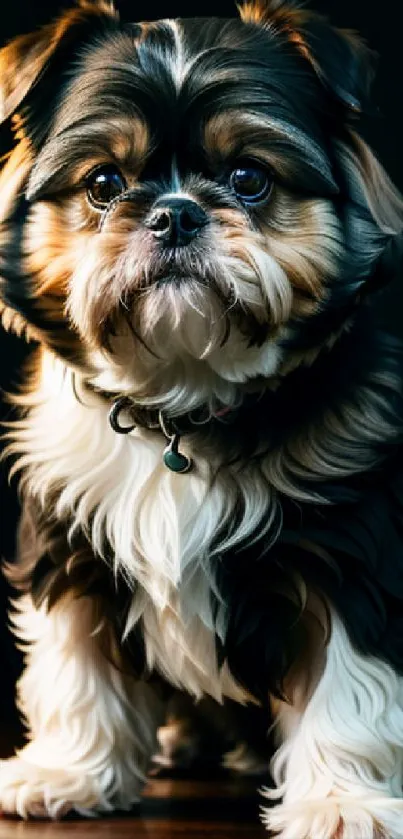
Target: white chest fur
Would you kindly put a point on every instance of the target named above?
(160, 525)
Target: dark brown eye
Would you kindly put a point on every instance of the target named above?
(251, 182)
(103, 185)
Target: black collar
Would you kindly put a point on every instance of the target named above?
(153, 419)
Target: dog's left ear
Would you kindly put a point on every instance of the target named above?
(340, 59)
(23, 60)
(371, 207)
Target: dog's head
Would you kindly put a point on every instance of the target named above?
(188, 210)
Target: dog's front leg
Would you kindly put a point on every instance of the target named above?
(339, 770)
(92, 727)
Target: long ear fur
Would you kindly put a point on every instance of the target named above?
(373, 215)
(23, 60)
(369, 203)
(32, 73)
(341, 60)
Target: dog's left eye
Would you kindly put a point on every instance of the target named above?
(103, 185)
(251, 183)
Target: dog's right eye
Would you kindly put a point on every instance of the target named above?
(103, 185)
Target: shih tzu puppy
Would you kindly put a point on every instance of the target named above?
(210, 434)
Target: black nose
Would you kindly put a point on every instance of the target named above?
(176, 221)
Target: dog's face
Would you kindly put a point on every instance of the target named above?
(188, 211)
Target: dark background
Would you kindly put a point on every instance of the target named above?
(378, 22)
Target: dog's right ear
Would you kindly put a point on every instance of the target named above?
(24, 60)
(33, 70)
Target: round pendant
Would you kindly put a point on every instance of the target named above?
(175, 460)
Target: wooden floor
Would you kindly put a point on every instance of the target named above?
(219, 807)
(172, 809)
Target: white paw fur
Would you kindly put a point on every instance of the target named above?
(339, 816)
(28, 790)
(92, 729)
(339, 771)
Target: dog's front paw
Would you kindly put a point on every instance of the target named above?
(29, 790)
(337, 817)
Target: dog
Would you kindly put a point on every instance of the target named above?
(194, 236)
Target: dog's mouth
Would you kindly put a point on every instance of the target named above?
(177, 283)
(174, 275)
(178, 266)
(189, 306)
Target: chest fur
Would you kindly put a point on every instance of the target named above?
(160, 530)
